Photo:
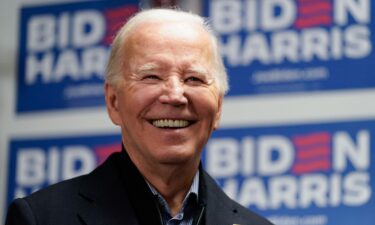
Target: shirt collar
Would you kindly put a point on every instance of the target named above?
(193, 188)
(192, 193)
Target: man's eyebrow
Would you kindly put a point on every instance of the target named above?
(198, 69)
(147, 67)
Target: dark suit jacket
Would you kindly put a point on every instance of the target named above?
(116, 193)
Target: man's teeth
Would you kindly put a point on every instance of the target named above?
(170, 123)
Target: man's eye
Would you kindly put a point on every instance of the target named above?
(151, 77)
(194, 80)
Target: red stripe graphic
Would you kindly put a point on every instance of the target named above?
(312, 13)
(315, 8)
(103, 151)
(321, 165)
(120, 13)
(310, 139)
(311, 1)
(115, 19)
(313, 22)
(312, 152)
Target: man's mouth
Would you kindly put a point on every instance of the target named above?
(168, 123)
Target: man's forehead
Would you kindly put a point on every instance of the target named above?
(151, 44)
(159, 65)
(180, 30)
(158, 23)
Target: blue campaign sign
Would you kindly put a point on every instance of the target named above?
(63, 51)
(278, 46)
(317, 174)
(37, 163)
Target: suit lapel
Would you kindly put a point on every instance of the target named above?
(104, 199)
(219, 211)
(141, 198)
(116, 193)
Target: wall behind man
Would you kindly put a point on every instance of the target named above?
(34, 124)
(297, 141)
(238, 112)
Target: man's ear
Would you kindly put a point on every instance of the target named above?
(111, 100)
(218, 113)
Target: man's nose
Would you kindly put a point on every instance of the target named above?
(174, 92)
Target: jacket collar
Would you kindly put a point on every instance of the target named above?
(104, 199)
(140, 195)
(116, 193)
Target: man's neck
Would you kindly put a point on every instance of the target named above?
(173, 186)
(186, 202)
(172, 181)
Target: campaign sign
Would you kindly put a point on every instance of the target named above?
(318, 174)
(275, 46)
(37, 163)
(63, 51)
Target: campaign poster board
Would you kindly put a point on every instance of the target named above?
(304, 174)
(35, 163)
(63, 52)
(308, 174)
(289, 46)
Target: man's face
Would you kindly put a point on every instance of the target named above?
(167, 104)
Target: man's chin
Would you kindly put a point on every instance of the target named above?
(177, 158)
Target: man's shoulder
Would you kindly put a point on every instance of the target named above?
(58, 191)
(62, 202)
(57, 202)
(67, 191)
(248, 215)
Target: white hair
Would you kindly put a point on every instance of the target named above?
(114, 68)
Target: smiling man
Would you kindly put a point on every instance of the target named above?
(164, 88)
